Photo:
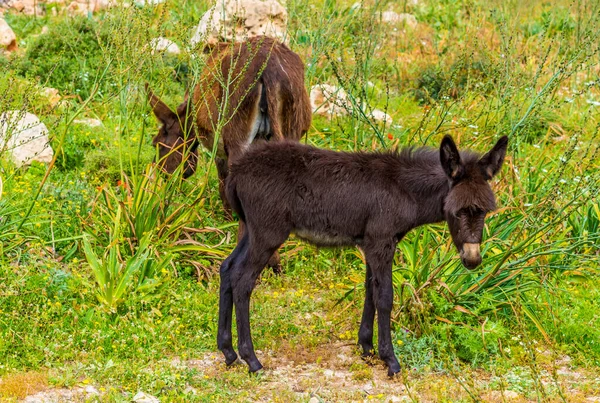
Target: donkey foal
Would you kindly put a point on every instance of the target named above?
(342, 199)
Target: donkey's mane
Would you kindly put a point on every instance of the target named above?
(421, 170)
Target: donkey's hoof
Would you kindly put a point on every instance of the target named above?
(393, 369)
(254, 367)
(368, 351)
(277, 269)
(230, 357)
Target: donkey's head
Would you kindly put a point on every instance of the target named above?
(175, 140)
(470, 197)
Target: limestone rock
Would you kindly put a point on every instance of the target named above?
(330, 101)
(8, 39)
(380, 116)
(52, 94)
(236, 20)
(163, 45)
(24, 137)
(142, 397)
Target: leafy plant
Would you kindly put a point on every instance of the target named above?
(118, 276)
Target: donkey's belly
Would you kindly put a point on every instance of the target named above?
(325, 239)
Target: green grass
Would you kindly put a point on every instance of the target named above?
(475, 70)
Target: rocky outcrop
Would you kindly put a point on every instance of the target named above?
(88, 7)
(330, 101)
(24, 137)
(236, 20)
(8, 39)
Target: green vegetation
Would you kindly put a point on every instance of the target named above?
(108, 270)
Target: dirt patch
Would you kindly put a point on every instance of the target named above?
(18, 386)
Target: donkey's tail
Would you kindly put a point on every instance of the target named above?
(232, 197)
(288, 103)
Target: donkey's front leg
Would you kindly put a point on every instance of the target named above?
(223, 172)
(224, 337)
(380, 257)
(365, 333)
(243, 281)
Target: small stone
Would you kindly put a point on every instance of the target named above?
(142, 397)
(163, 45)
(381, 116)
(52, 94)
(328, 373)
(190, 391)
(314, 399)
(91, 390)
(88, 122)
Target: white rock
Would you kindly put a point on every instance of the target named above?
(160, 45)
(328, 100)
(8, 39)
(91, 390)
(393, 17)
(236, 20)
(25, 137)
(314, 399)
(381, 116)
(142, 397)
(328, 373)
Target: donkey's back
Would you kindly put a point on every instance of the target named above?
(326, 197)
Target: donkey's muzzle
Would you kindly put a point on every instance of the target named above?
(470, 255)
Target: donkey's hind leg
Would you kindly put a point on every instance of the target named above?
(365, 333)
(244, 278)
(224, 337)
(380, 254)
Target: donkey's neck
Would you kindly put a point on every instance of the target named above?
(422, 177)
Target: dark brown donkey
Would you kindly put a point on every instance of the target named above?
(342, 199)
(251, 90)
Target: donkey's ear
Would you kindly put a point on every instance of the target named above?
(450, 159)
(185, 107)
(491, 162)
(161, 111)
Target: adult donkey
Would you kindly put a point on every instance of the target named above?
(251, 90)
(342, 199)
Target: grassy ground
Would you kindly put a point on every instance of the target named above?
(523, 327)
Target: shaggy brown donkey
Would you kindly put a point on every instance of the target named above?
(255, 89)
(342, 199)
